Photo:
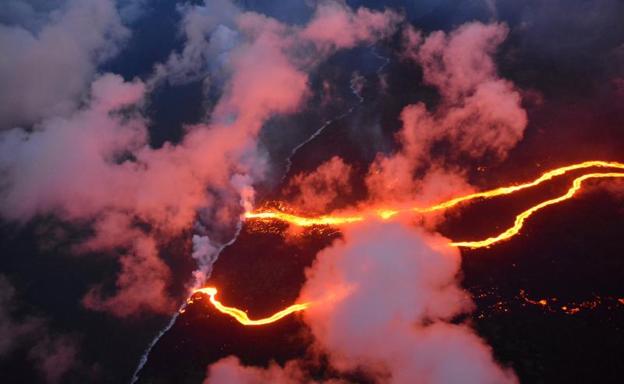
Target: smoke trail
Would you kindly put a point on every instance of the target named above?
(386, 60)
(356, 85)
(205, 271)
(356, 92)
(152, 344)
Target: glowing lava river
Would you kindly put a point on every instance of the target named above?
(388, 213)
(241, 316)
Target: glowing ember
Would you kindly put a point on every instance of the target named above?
(241, 316)
(551, 305)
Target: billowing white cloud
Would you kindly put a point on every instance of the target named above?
(45, 69)
(93, 163)
(479, 113)
(382, 302)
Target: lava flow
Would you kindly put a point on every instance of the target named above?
(241, 316)
(388, 213)
(520, 219)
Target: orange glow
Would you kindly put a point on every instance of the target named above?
(573, 308)
(549, 175)
(303, 221)
(521, 218)
(389, 213)
(241, 316)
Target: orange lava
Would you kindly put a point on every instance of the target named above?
(521, 218)
(302, 221)
(389, 213)
(241, 316)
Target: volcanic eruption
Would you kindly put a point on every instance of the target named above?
(331, 191)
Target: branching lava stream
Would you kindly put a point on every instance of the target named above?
(390, 213)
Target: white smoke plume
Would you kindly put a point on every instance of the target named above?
(92, 164)
(382, 302)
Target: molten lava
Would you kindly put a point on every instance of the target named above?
(389, 213)
(520, 219)
(303, 221)
(241, 316)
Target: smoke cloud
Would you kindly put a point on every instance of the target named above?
(335, 25)
(93, 164)
(383, 299)
(479, 114)
(317, 190)
(48, 64)
(230, 370)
